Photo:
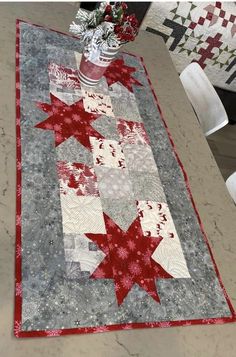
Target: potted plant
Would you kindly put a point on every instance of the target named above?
(103, 31)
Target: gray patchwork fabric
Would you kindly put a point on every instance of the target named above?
(66, 95)
(123, 211)
(139, 158)
(147, 186)
(101, 87)
(113, 183)
(61, 56)
(58, 291)
(107, 127)
(124, 105)
(80, 250)
(71, 150)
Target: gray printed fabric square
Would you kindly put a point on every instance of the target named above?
(107, 236)
(124, 103)
(147, 186)
(113, 183)
(139, 158)
(122, 210)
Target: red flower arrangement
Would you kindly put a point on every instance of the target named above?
(102, 31)
(109, 23)
(128, 30)
(126, 26)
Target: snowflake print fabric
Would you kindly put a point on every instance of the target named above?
(105, 226)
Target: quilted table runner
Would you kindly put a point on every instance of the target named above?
(108, 236)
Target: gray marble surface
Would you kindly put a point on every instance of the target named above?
(213, 202)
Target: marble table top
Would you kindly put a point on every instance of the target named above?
(215, 206)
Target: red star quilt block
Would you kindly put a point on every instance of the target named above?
(68, 120)
(119, 72)
(128, 259)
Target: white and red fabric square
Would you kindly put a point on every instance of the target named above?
(132, 132)
(107, 153)
(156, 221)
(97, 103)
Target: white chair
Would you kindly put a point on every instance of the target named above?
(204, 99)
(231, 185)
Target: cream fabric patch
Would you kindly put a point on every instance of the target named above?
(81, 214)
(156, 221)
(97, 103)
(107, 153)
